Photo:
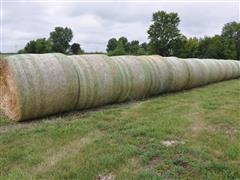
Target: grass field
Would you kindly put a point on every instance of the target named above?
(193, 134)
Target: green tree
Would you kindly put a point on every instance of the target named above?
(230, 48)
(37, 46)
(121, 48)
(191, 47)
(21, 51)
(133, 47)
(141, 51)
(163, 33)
(231, 33)
(187, 48)
(144, 46)
(212, 47)
(76, 48)
(112, 44)
(60, 39)
(30, 47)
(203, 46)
(123, 41)
(179, 47)
(118, 51)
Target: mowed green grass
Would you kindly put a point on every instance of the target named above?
(126, 141)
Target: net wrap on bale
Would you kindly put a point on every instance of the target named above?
(33, 86)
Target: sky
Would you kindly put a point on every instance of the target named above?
(94, 23)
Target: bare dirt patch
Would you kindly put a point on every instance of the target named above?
(171, 143)
(223, 129)
(154, 162)
(197, 127)
(142, 147)
(132, 166)
(106, 177)
(181, 162)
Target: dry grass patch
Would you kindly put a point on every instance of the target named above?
(154, 162)
(197, 127)
(66, 152)
(106, 177)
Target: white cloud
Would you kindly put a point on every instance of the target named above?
(94, 23)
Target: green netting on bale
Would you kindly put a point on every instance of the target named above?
(45, 84)
(33, 86)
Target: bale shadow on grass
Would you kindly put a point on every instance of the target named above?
(71, 115)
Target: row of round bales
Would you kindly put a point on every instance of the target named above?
(34, 86)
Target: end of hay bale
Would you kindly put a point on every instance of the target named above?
(9, 99)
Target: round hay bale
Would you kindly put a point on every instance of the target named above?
(155, 76)
(235, 68)
(99, 78)
(34, 86)
(136, 76)
(180, 74)
(199, 72)
(9, 95)
(165, 73)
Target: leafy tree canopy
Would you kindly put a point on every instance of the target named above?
(163, 33)
(60, 39)
(38, 46)
(76, 48)
(112, 44)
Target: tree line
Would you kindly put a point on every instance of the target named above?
(164, 36)
(58, 41)
(165, 39)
